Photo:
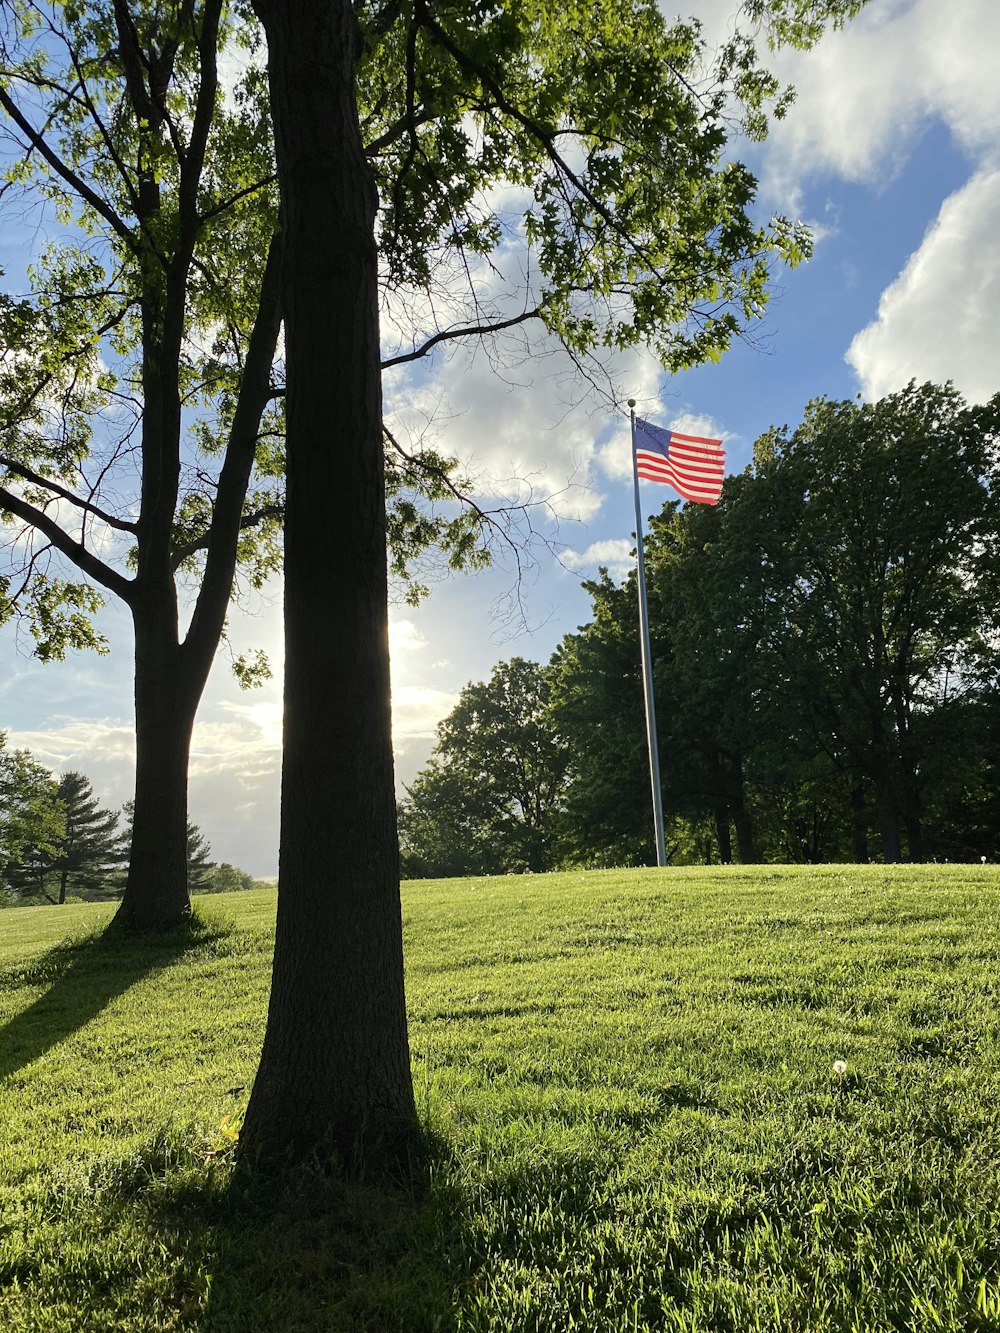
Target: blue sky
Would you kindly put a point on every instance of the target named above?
(891, 152)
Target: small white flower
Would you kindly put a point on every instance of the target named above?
(840, 1066)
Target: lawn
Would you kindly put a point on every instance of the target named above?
(705, 1099)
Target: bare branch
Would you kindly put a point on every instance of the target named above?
(85, 560)
(235, 199)
(36, 479)
(472, 330)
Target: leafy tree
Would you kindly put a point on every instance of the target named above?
(146, 323)
(88, 857)
(597, 705)
(32, 821)
(141, 386)
(490, 800)
(225, 878)
(640, 233)
(896, 550)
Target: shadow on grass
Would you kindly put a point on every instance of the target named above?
(317, 1255)
(82, 977)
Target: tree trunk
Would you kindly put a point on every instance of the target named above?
(334, 1078)
(723, 834)
(888, 822)
(859, 826)
(914, 838)
(156, 891)
(745, 846)
(742, 822)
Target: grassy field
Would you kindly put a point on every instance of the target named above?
(630, 1089)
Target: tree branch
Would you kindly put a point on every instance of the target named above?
(75, 183)
(544, 137)
(472, 330)
(85, 560)
(182, 553)
(35, 479)
(194, 162)
(234, 199)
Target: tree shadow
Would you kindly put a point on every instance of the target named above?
(82, 976)
(314, 1254)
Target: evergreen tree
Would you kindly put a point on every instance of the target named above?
(199, 852)
(199, 860)
(89, 853)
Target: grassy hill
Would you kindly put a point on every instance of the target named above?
(631, 1089)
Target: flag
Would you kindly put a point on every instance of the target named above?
(691, 464)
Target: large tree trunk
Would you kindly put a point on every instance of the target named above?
(156, 891)
(334, 1077)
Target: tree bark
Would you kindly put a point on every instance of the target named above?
(742, 820)
(156, 892)
(888, 822)
(334, 1078)
(859, 825)
(723, 834)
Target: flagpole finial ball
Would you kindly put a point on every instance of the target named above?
(631, 402)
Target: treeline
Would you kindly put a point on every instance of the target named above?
(826, 666)
(57, 843)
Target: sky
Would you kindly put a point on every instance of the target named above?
(891, 153)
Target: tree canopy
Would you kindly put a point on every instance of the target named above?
(32, 820)
(491, 797)
(825, 659)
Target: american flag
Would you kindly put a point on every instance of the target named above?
(691, 464)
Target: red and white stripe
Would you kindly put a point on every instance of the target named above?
(692, 464)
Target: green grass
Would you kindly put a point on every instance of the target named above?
(626, 1082)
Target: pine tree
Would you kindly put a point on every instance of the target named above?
(199, 851)
(89, 853)
(199, 862)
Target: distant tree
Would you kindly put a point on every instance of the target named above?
(894, 600)
(490, 799)
(597, 706)
(199, 859)
(88, 858)
(222, 877)
(823, 645)
(32, 821)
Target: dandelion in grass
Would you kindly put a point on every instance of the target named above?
(840, 1068)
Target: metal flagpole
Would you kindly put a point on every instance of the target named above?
(647, 667)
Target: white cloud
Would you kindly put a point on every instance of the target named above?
(512, 423)
(938, 320)
(404, 639)
(416, 711)
(615, 553)
(865, 93)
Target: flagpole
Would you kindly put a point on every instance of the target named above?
(647, 666)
